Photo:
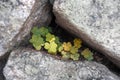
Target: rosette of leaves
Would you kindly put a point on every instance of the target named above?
(65, 55)
(42, 31)
(37, 41)
(73, 50)
(43, 37)
(69, 51)
(87, 54)
(36, 31)
(75, 56)
(51, 47)
(50, 44)
(38, 35)
(77, 43)
(67, 46)
(50, 37)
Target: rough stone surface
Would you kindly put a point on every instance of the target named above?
(97, 22)
(16, 19)
(27, 64)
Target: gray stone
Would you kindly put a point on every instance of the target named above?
(17, 17)
(97, 22)
(27, 64)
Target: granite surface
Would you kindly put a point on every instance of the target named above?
(28, 64)
(97, 22)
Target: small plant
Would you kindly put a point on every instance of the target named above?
(37, 41)
(68, 50)
(43, 37)
(87, 54)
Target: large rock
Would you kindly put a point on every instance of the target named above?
(97, 22)
(27, 64)
(17, 17)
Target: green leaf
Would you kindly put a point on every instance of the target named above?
(87, 54)
(57, 41)
(49, 29)
(51, 47)
(65, 55)
(75, 56)
(43, 31)
(37, 41)
(67, 46)
(47, 46)
(50, 37)
(35, 31)
(60, 48)
(73, 50)
(77, 43)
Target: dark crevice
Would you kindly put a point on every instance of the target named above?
(98, 57)
(3, 61)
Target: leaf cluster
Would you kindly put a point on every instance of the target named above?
(69, 50)
(43, 37)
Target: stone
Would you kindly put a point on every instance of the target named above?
(17, 17)
(29, 64)
(96, 22)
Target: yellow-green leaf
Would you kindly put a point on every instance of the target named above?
(87, 54)
(37, 41)
(47, 45)
(50, 37)
(75, 56)
(60, 48)
(77, 43)
(65, 55)
(73, 50)
(51, 47)
(67, 46)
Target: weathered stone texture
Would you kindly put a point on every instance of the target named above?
(97, 22)
(27, 64)
(17, 17)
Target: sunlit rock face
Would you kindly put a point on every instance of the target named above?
(28, 64)
(97, 22)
